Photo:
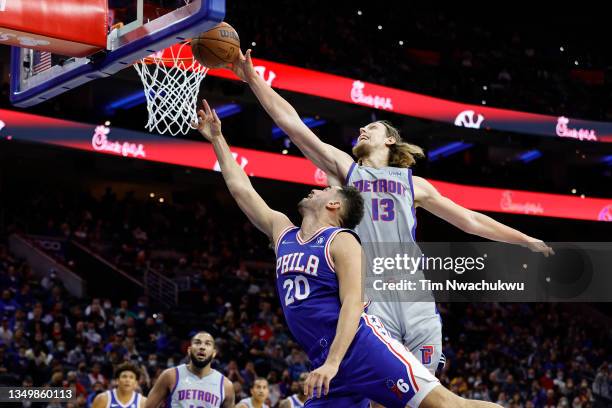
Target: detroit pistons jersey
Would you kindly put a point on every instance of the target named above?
(388, 197)
(388, 228)
(191, 391)
(307, 285)
(113, 401)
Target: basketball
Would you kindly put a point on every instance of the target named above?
(216, 47)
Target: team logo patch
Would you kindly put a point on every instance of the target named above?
(320, 240)
(400, 388)
(426, 353)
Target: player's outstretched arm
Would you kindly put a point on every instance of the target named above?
(228, 389)
(160, 389)
(346, 255)
(259, 213)
(328, 158)
(472, 222)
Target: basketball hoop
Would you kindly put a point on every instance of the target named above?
(171, 80)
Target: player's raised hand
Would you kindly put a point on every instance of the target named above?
(243, 67)
(208, 124)
(537, 245)
(317, 383)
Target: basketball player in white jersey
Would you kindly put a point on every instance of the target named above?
(259, 395)
(125, 395)
(193, 385)
(298, 399)
(391, 193)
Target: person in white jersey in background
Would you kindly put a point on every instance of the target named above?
(125, 395)
(391, 193)
(195, 384)
(259, 395)
(298, 399)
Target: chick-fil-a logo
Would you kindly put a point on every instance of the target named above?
(606, 213)
(581, 134)
(507, 204)
(100, 142)
(261, 70)
(378, 102)
(241, 160)
(469, 119)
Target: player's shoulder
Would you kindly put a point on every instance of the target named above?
(101, 400)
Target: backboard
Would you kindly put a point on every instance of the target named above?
(138, 28)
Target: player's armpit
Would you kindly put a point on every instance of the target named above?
(228, 388)
(161, 388)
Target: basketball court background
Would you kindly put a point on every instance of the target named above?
(119, 213)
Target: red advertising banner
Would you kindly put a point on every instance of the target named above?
(139, 145)
(358, 92)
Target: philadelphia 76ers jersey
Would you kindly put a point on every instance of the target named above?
(308, 286)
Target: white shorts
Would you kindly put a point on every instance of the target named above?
(417, 326)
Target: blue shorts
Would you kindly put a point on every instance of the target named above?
(376, 367)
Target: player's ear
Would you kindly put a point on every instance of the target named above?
(333, 204)
(390, 140)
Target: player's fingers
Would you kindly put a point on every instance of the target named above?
(215, 117)
(248, 57)
(206, 107)
(319, 386)
(326, 385)
(308, 386)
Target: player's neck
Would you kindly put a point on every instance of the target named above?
(302, 397)
(200, 372)
(311, 223)
(256, 403)
(124, 396)
(376, 159)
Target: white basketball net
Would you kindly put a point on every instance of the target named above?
(171, 84)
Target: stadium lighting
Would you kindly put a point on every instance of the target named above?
(310, 122)
(530, 155)
(448, 150)
(125, 102)
(230, 109)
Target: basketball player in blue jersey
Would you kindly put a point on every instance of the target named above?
(319, 281)
(260, 391)
(193, 385)
(125, 395)
(298, 399)
(391, 193)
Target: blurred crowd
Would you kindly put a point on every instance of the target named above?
(514, 61)
(519, 355)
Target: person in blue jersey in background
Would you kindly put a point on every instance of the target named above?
(319, 282)
(125, 395)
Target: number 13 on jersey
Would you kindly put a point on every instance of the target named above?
(383, 209)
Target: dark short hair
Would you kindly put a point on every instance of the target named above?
(353, 207)
(127, 367)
